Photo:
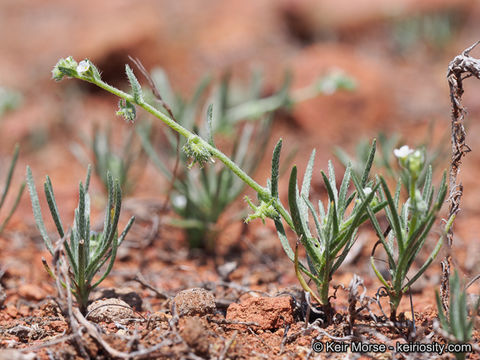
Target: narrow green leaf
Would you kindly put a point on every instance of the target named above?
(342, 195)
(209, 125)
(110, 265)
(37, 212)
(333, 181)
(275, 167)
(427, 186)
(375, 223)
(332, 205)
(9, 174)
(136, 88)
(87, 179)
(126, 230)
(318, 225)
(293, 203)
(307, 178)
(394, 218)
(52, 204)
(427, 263)
(442, 192)
(14, 206)
(368, 165)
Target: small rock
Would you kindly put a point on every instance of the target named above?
(194, 301)
(268, 312)
(109, 310)
(31, 292)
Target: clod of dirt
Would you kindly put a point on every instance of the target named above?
(196, 301)
(195, 335)
(268, 312)
(109, 310)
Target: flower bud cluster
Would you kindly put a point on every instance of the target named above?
(196, 149)
(411, 160)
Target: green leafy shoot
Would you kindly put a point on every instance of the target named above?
(6, 188)
(409, 225)
(87, 251)
(456, 324)
(335, 227)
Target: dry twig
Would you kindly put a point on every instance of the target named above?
(460, 68)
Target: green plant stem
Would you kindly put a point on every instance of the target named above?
(325, 286)
(262, 192)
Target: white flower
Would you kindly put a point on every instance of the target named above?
(179, 201)
(83, 67)
(403, 152)
(367, 190)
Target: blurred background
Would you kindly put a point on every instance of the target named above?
(396, 52)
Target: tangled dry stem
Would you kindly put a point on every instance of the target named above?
(460, 68)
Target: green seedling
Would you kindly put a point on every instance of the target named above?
(6, 188)
(456, 323)
(336, 227)
(409, 225)
(87, 251)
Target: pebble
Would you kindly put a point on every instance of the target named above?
(196, 301)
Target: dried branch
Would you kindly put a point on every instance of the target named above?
(460, 68)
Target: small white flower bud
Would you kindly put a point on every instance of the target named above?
(83, 67)
(403, 152)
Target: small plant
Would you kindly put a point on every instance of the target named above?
(409, 225)
(456, 323)
(87, 251)
(322, 251)
(107, 158)
(336, 229)
(6, 188)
